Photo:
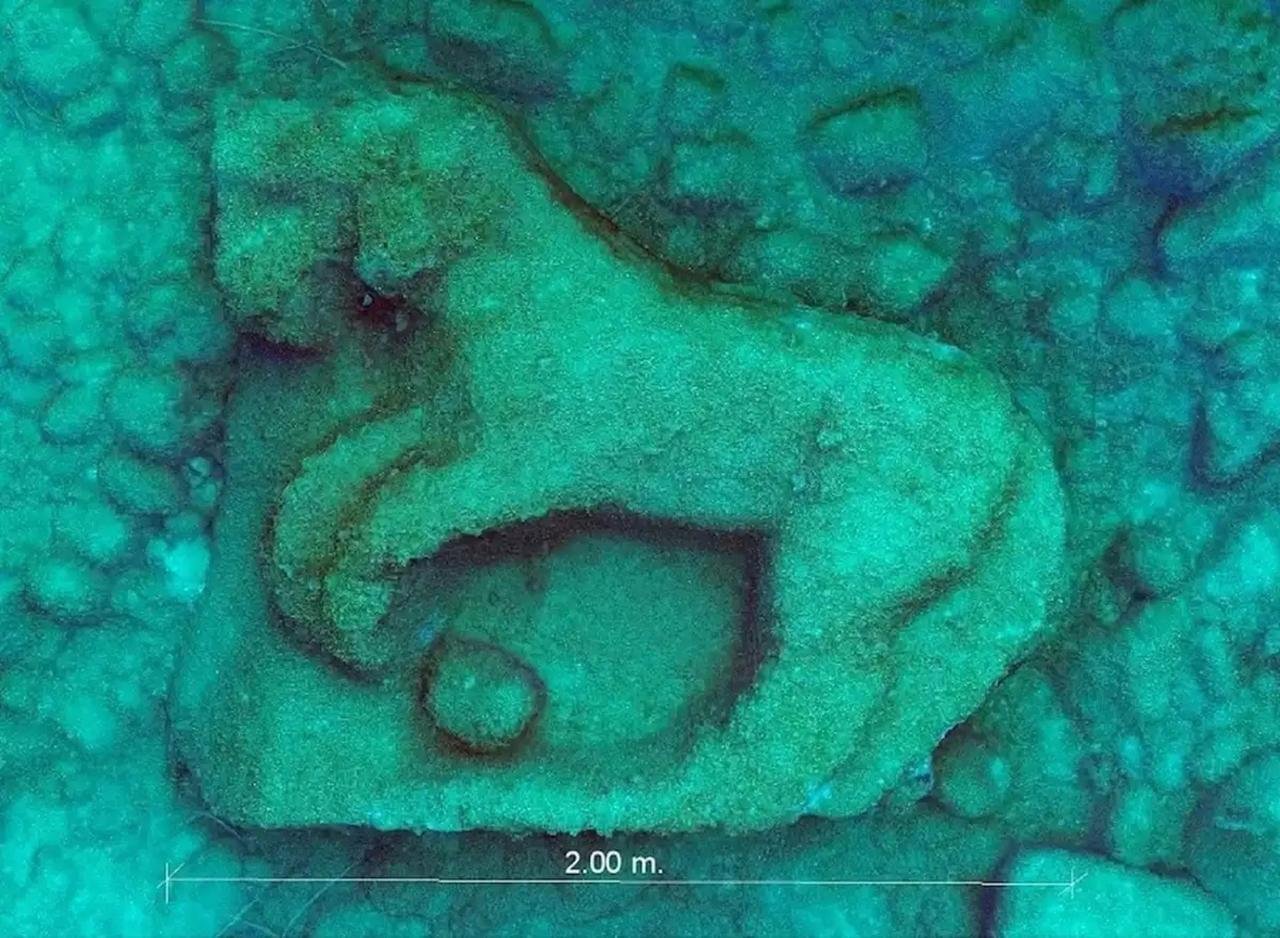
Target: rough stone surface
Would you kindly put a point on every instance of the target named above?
(1235, 846)
(1100, 899)
(886, 483)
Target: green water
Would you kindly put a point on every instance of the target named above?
(567, 468)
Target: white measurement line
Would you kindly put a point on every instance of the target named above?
(1068, 886)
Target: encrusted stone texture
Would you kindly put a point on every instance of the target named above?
(871, 533)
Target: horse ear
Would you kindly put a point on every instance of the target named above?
(278, 227)
(435, 187)
(409, 230)
(393, 238)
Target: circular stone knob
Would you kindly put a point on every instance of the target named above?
(481, 697)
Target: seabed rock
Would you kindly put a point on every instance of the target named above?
(1101, 899)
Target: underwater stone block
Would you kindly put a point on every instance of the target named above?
(972, 778)
(66, 590)
(1199, 85)
(1234, 226)
(1240, 414)
(513, 47)
(1020, 757)
(757, 560)
(50, 50)
(871, 144)
(1235, 846)
(1108, 900)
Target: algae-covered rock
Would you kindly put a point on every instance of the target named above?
(74, 414)
(497, 44)
(147, 408)
(1019, 758)
(1094, 898)
(972, 776)
(1199, 78)
(1234, 226)
(137, 486)
(871, 144)
(94, 530)
(757, 559)
(1157, 555)
(50, 49)
(1235, 846)
(1241, 410)
(64, 588)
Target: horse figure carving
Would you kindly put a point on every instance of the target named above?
(526, 367)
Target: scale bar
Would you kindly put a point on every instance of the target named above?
(1067, 886)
